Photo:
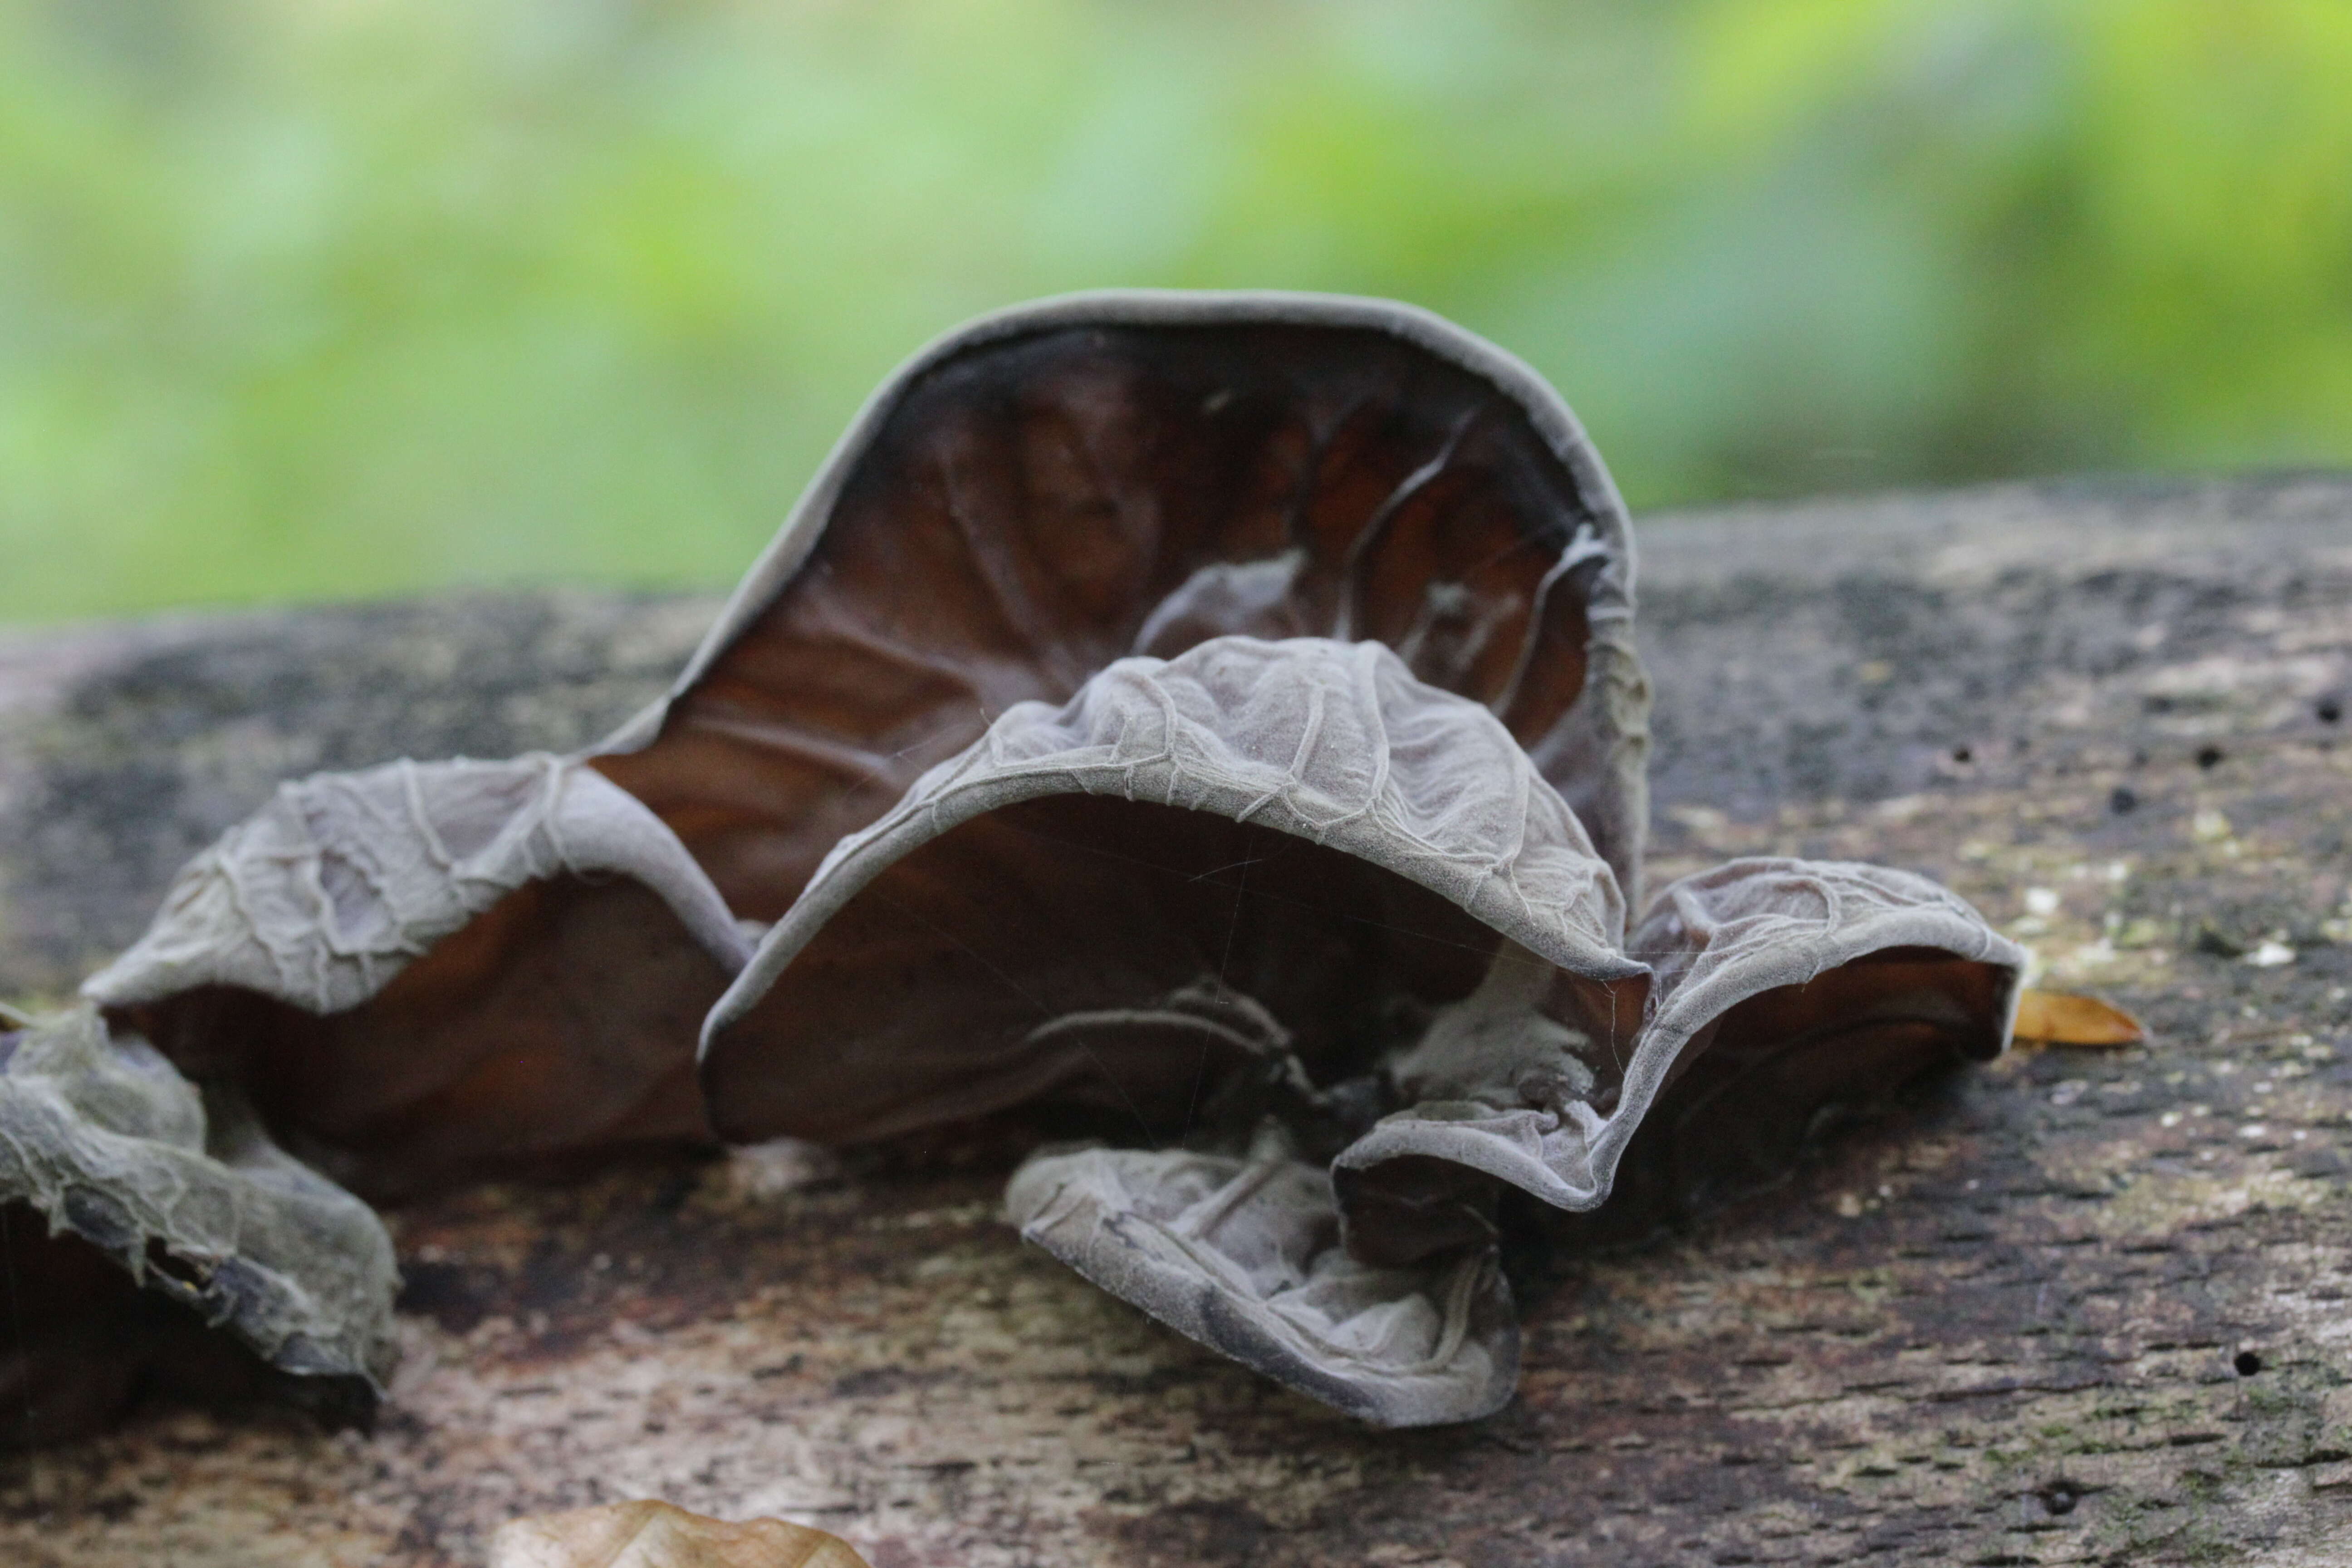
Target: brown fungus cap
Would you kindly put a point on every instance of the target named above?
(426, 971)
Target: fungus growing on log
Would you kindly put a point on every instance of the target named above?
(1207, 725)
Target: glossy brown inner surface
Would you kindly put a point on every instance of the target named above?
(1033, 509)
(1090, 954)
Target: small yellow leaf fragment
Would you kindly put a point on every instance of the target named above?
(2061, 1018)
(650, 1535)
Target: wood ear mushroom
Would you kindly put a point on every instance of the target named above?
(1207, 726)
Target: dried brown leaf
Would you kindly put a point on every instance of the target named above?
(651, 1535)
(2062, 1018)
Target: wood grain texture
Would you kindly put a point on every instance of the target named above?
(2076, 1307)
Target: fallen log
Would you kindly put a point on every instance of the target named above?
(2078, 1306)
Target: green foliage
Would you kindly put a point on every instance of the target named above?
(301, 298)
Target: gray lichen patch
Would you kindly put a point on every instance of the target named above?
(103, 1139)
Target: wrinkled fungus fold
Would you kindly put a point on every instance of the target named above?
(420, 968)
(1201, 730)
(1254, 852)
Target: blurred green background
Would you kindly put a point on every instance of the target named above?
(332, 297)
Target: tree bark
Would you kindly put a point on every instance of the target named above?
(2074, 1307)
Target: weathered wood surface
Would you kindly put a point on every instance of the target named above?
(2001, 1325)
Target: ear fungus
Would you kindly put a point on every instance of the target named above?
(1206, 722)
